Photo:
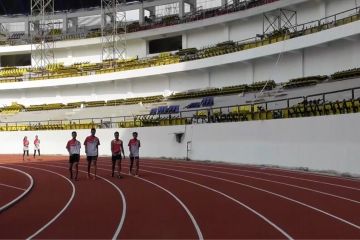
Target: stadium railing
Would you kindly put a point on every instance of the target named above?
(309, 106)
(207, 94)
(150, 23)
(184, 55)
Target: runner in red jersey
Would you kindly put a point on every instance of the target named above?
(25, 147)
(116, 149)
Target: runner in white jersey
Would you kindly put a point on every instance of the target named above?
(92, 151)
(36, 145)
(73, 146)
(134, 145)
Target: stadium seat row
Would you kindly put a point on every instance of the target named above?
(237, 113)
(60, 71)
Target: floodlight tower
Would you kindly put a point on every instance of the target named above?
(42, 27)
(113, 31)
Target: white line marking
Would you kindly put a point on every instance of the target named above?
(272, 193)
(237, 165)
(273, 174)
(315, 174)
(9, 186)
(123, 214)
(262, 179)
(198, 231)
(23, 194)
(62, 210)
(227, 196)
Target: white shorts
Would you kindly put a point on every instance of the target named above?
(26, 148)
(36, 148)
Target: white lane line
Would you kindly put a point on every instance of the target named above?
(269, 192)
(237, 166)
(315, 174)
(197, 228)
(261, 179)
(273, 174)
(123, 214)
(4, 207)
(62, 210)
(198, 231)
(10, 186)
(224, 195)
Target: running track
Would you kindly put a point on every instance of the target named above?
(175, 200)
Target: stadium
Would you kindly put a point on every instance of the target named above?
(179, 119)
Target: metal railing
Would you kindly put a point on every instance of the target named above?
(202, 115)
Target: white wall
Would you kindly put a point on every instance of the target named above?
(246, 28)
(207, 36)
(319, 143)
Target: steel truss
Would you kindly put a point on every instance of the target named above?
(113, 31)
(279, 20)
(42, 33)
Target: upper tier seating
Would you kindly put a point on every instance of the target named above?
(351, 73)
(84, 69)
(150, 22)
(244, 107)
(207, 95)
(257, 86)
(306, 81)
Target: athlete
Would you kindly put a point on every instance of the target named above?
(134, 145)
(91, 149)
(25, 147)
(73, 146)
(36, 145)
(116, 149)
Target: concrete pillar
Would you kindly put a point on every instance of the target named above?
(184, 40)
(141, 15)
(303, 63)
(27, 27)
(65, 24)
(227, 32)
(322, 10)
(181, 8)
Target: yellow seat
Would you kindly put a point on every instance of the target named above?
(234, 110)
(285, 113)
(245, 109)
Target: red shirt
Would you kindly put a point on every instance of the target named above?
(116, 146)
(26, 143)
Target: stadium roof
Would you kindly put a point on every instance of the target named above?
(8, 7)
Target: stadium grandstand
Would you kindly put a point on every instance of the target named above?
(235, 102)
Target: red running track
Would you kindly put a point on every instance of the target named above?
(14, 185)
(182, 200)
